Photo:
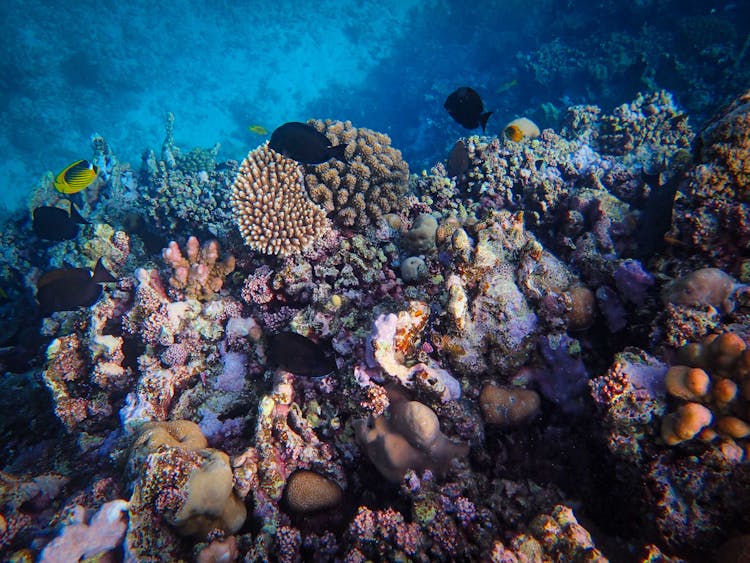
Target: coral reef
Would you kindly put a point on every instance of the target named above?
(711, 383)
(358, 193)
(271, 207)
(465, 320)
(199, 274)
(711, 218)
(409, 439)
(80, 539)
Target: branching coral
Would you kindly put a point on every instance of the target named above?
(271, 207)
(368, 186)
(649, 130)
(199, 274)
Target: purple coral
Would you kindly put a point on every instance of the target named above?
(632, 281)
(564, 378)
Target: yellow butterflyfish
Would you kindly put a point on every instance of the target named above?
(76, 177)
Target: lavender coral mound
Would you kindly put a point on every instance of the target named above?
(368, 186)
(270, 206)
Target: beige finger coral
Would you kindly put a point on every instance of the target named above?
(271, 207)
(368, 185)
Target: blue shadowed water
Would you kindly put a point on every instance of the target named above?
(117, 68)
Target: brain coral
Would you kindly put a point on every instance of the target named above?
(270, 206)
(368, 186)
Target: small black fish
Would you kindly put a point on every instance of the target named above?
(67, 289)
(305, 144)
(458, 162)
(299, 355)
(465, 106)
(54, 223)
(656, 217)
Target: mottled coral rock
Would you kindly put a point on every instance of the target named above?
(271, 206)
(370, 185)
(712, 221)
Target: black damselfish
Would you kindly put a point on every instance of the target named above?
(305, 144)
(458, 162)
(466, 107)
(54, 223)
(298, 354)
(67, 289)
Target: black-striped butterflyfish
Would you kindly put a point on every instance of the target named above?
(76, 177)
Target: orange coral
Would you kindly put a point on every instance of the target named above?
(199, 274)
(508, 406)
(713, 378)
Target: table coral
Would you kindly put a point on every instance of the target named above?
(271, 206)
(358, 193)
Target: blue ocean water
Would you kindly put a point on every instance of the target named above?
(73, 69)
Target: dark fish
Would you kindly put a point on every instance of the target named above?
(67, 289)
(305, 144)
(458, 162)
(656, 217)
(299, 355)
(54, 223)
(465, 106)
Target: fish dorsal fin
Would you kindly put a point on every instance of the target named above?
(101, 274)
(75, 216)
(483, 119)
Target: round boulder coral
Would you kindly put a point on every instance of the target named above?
(307, 491)
(507, 406)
